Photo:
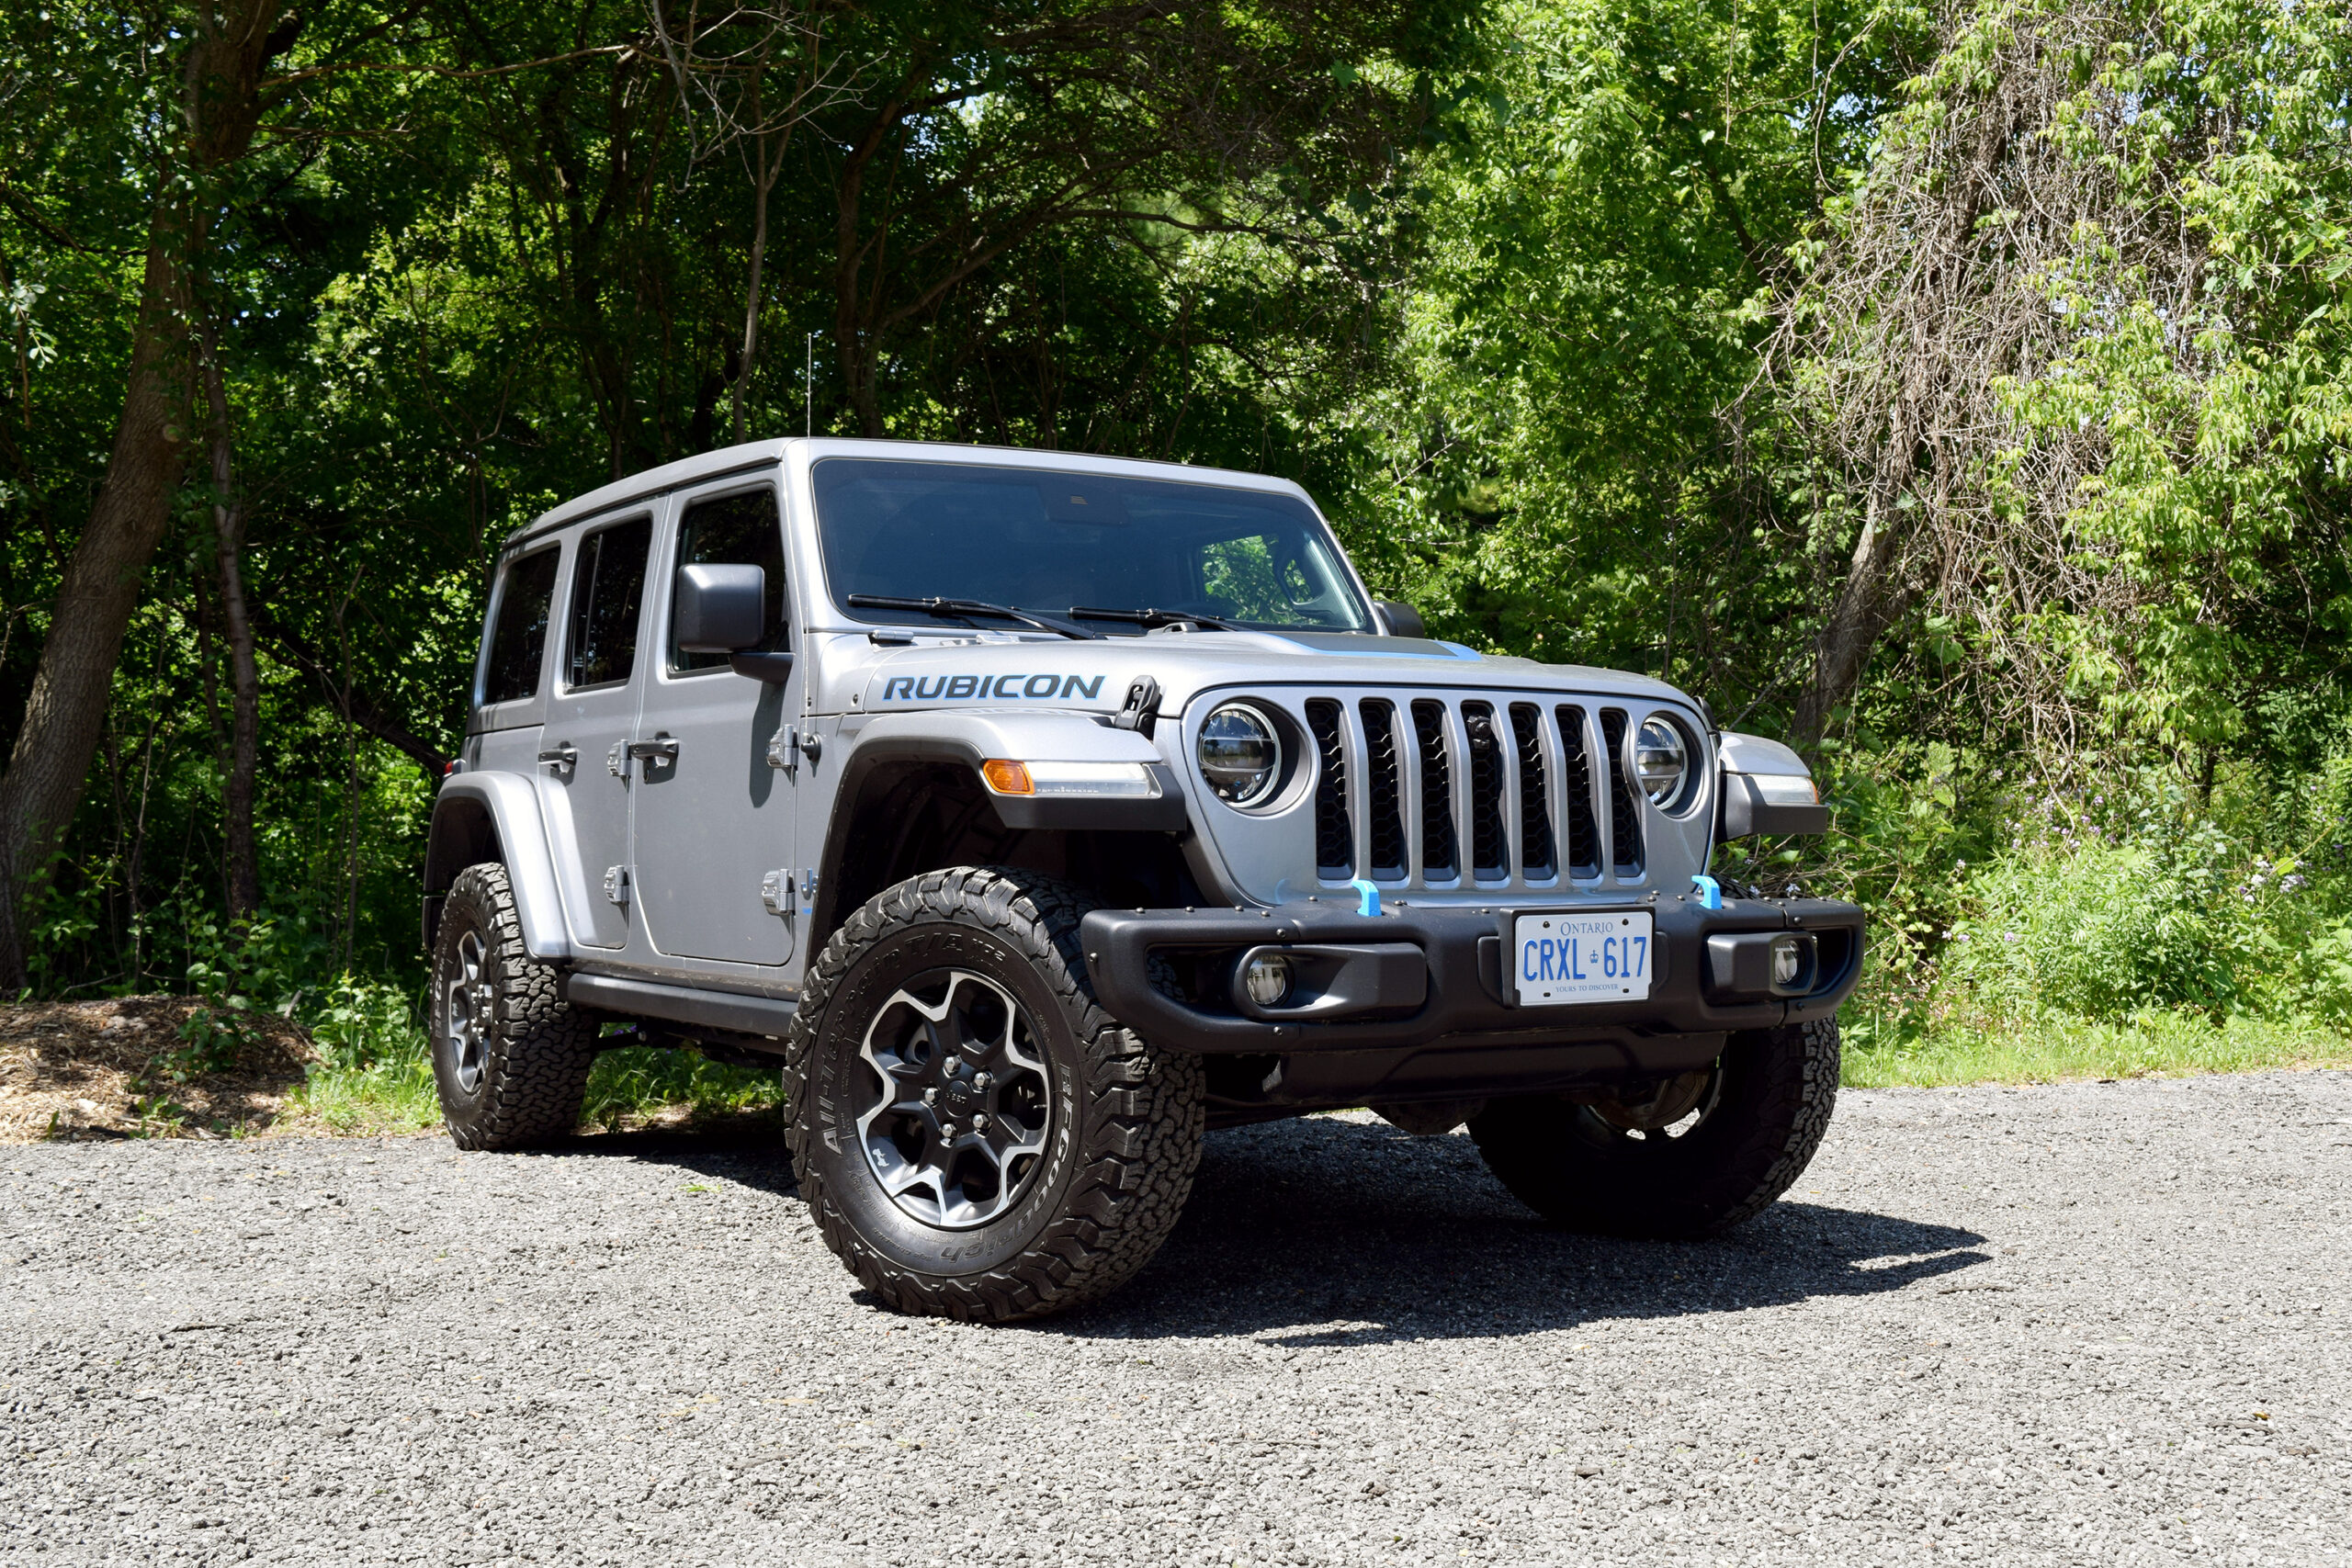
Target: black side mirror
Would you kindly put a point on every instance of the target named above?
(721, 608)
(1398, 619)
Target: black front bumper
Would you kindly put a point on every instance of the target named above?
(1453, 1023)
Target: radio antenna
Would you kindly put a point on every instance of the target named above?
(809, 391)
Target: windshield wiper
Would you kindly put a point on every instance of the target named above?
(964, 609)
(1156, 618)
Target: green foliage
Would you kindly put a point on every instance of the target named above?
(240, 968)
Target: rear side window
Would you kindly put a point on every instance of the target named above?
(607, 581)
(735, 530)
(519, 636)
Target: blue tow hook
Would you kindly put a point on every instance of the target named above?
(1368, 897)
(1711, 893)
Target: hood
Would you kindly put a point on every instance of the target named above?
(997, 670)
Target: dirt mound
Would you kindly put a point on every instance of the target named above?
(119, 1068)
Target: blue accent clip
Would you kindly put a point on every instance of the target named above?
(1369, 897)
(1711, 893)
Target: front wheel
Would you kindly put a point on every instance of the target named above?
(1685, 1157)
(976, 1137)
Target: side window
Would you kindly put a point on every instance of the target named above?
(735, 530)
(519, 636)
(607, 581)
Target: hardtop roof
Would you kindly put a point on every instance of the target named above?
(761, 454)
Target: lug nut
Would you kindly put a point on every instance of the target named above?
(979, 1121)
(980, 1081)
(947, 1129)
(931, 1097)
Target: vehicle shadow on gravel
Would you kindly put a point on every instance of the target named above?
(1329, 1233)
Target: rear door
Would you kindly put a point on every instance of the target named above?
(712, 818)
(591, 718)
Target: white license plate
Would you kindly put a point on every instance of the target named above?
(1600, 957)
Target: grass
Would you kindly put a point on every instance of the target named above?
(392, 1094)
(2152, 1043)
(389, 1089)
(639, 1083)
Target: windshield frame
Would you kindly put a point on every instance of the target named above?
(1346, 582)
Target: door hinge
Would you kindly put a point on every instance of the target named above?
(789, 744)
(616, 884)
(616, 760)
(775, 893)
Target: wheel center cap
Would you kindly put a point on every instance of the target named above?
(962, 1097)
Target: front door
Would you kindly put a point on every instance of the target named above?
(713, 821)
(592, 714)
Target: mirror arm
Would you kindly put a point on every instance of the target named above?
(773, 667)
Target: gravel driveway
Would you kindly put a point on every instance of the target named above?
(2086, 1323)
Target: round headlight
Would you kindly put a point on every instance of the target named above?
(1661, 759)
(1241, 756)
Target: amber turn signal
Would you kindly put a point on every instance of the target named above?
(1008, 778)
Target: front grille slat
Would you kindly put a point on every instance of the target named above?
(1624, 823)
(1584, 828)
(1441, 861)
(1534, 802)
(1383, 809)
(1489, 838)
(1335, 850)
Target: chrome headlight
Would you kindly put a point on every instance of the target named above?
(1241, 754)
(1661, 760)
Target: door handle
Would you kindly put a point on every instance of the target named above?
(661, 747)
(562, 758)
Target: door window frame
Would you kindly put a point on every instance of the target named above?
(576, 545)
(515, 712)
(673, 532)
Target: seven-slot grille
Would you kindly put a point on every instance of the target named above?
(1410, 786)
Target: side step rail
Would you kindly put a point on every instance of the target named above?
(757, 1023)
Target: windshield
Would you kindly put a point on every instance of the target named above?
(1064, 544)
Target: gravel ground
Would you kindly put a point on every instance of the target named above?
(2088, 1323)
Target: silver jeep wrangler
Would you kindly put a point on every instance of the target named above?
(1034, 813)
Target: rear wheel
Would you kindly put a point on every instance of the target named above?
(510, 1057)
(976, 1137)
(1683, 1156)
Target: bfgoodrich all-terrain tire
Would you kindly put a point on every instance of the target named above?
(976, 1137)
(509, 1053)
(1748, 1131)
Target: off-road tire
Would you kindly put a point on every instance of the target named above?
(1122, 1149)
(1764, 1119)
(535, 1049)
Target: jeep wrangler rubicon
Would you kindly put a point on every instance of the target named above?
(1034, 813)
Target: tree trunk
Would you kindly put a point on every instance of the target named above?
(852, 345)
(1868, 602)
(241, 866)
(762, 182)
(49, 766)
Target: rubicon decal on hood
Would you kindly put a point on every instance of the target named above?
(952, 688)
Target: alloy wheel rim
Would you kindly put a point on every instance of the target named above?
(959, 1099)
(471, 1001)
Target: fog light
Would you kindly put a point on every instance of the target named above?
(1266, 978)
(1792, 964)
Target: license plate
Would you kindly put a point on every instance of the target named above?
(1600, 957)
